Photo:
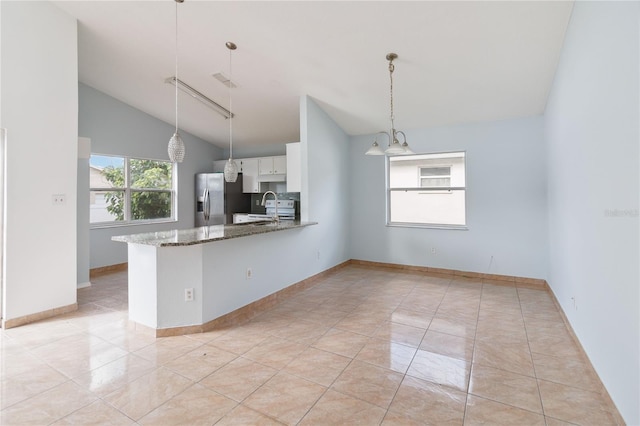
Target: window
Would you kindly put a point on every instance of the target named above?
(130, 190)
(427, 190)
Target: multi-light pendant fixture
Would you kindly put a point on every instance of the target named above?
(230, 167)
(395, 147)
(176, 148)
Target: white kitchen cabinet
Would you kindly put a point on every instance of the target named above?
(294, 167)
(249, 169)
(272, 165)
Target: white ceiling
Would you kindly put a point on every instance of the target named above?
(458, 62)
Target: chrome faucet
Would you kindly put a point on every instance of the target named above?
(276, 218)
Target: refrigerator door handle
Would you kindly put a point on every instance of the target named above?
(207, 207)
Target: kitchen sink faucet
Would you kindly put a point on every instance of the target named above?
(276, 218)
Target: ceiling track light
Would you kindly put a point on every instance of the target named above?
(197, 95)
(395, 147)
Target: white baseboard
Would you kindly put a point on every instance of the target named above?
(84, 285)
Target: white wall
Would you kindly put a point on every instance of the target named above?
(325, 195)
(592, 142)
(40, 111)
(82, 220)
(506, 202)
(117, 128)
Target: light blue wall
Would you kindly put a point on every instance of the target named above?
(592, 143)
(117, 128)
(506, 202)
(325, 195)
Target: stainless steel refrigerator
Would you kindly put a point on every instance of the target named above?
(217, 200)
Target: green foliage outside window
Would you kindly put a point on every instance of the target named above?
(146, 178)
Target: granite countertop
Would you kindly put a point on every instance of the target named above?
(207, 234)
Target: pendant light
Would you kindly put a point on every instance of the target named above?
(176, 146)
(230, 168)
(395, 147)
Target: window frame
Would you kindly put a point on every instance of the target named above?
(128, 189)
(441, 190)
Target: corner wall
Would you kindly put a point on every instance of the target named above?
(592, 142)
(506, 202)
(119, 129)
(40, 111)
(325, 196)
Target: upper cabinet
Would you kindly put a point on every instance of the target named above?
(294, 169)
(265, 169)
(273, 165)
(249, 169)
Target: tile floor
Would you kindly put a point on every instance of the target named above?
(364, 346)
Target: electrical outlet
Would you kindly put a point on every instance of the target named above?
(433, 250)
(58, 199)
(249, 273)
(188, 295)
(318, 254)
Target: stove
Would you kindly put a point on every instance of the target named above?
(286, 209)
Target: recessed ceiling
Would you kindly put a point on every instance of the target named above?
(459, 62)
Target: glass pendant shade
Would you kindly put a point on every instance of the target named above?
(407, 150)
(176, 148)
(231, 171)
(375, 149)
(395, 148)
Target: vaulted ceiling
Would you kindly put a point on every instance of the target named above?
(459, 62)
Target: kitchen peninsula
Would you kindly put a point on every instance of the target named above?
(182, 281)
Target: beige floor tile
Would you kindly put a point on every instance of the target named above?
(455, 326)
(285, 397)
(358, 329)
(511, 356)
(238, 379)
(318, 366)
(440, 369)
(574, 405)
(422, 400)
(567, 371)
(398, 419)
(448, 345)
(239, 340)
(555, 422)
(275, 352)
(337, 409)
(244, 416)
(400, 333)
(148, 392)
(167, 349)
(341, 342)
(370, 383)
(555, 345)
(360, 324)
(197, 405)
(29, 383)
(390, 355)
(301, 331)
(412, 318)
(106, 379)
(200, 362)
(481, 411)
(97, 413)
(47, 407)
(505, 387)
(79, 354)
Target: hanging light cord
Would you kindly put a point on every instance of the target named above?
(391, 68)
(176, 66)
(230, 110)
